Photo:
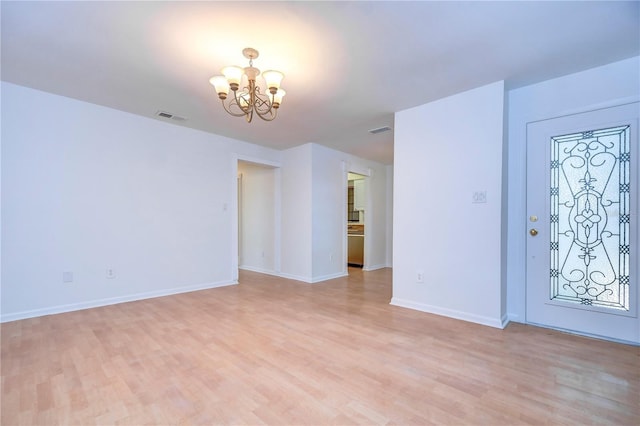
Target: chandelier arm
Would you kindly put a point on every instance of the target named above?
(237, 99)
(273, 112)
(252, 94)
(273, 116)
(235, 114)
(249, 115)
(264, 105)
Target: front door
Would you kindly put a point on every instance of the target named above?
(582, 233)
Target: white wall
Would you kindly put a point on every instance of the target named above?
(87, 188)
(389, 218)
(444, 152)
(329, 220)
(377, 217)
(314, 185)
(296, 213)
(604, 86)
(330, 168)
(258, 228)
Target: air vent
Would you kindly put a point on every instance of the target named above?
(380, 130)
(174, 117)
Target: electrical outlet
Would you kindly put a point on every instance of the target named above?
(330, 257)
(111, 273)
(419, 276)
(67, 277)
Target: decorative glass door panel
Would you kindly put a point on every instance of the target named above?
(590, 217)
(582, 198)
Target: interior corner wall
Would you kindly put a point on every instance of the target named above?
(377, 221)
(87, 188)
(389, 218)
(329, 225)
(445, 151)
(328, 219)
(609, 85)
(296, 213)
(504, 216)
(313, 222)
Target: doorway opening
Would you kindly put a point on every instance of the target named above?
(258, 217)
(356, 209)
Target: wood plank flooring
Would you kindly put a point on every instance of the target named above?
(281, 352)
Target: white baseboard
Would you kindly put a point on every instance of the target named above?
(515, 318)
(505, 320)
(465, 316)
(259, 270)
(329, 277)
(312, 280)
(307, 280)
(109, 301)
(375, 267)
(293, 277)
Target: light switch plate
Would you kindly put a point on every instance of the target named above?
(479, 197)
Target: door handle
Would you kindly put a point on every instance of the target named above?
(533, 232)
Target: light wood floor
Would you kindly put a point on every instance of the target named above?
(280, 352)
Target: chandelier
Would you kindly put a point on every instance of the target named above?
(249, 100)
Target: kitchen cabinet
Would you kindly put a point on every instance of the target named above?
(355, 250)
(359, 199)
(353, 215)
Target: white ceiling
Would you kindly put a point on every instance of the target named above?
(348, 65)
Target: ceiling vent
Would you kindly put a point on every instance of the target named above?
(380, 130)
(170, 116)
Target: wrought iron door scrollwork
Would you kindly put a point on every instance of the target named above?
(589, 193)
